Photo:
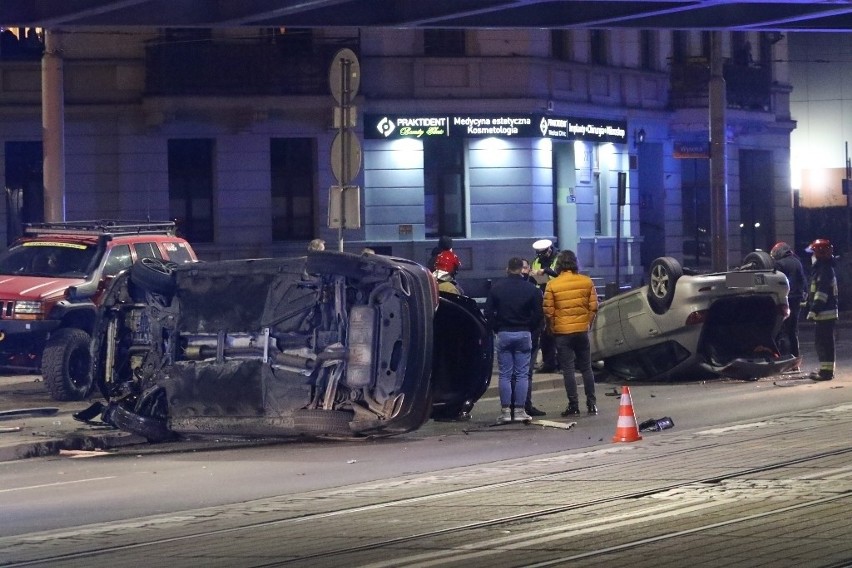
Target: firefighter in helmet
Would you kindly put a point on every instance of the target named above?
(822, 306)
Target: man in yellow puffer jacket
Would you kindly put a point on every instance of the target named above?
(570, 306)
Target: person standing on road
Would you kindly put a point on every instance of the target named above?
(542, 270)
(788, 263)
(822, 306)
(536, 338)
(513, 309)
(570, 306)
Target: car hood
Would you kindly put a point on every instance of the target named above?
(34, 287)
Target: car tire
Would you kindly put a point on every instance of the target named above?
(67, 365)
(154, 275)
(760, 260)
(152, 429)
(323, 422)
(347, 264)
(663, 276)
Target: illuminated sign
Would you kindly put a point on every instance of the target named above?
(686, 150)
(506, 125)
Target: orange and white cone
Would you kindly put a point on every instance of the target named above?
(626, 430)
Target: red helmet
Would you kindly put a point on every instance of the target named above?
(780, 250)
(447, 261)
(821, 249)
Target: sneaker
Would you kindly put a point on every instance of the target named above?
(533, 411)
(505, 415)
(592, 408)
(521, 415)
(571, 410)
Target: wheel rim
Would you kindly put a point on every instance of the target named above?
(78, 368)
(156, 265)
(659, 281)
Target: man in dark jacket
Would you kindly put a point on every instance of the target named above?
(822, 306)
(789, 264)
(513, 309)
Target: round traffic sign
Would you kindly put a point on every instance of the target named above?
(344, 75)
(345, 148)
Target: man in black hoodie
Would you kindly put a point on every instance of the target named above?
(789, 264)
(513, 309)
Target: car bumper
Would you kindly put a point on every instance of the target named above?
(754, 367)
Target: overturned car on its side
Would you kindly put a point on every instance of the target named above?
(688, 324)
(332, 344)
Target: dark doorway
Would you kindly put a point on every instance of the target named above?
(24, 186)
(756, 199)
(697, 237)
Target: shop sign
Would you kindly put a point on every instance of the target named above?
(394, 127)
(686, 150)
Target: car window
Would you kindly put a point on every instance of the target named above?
(147, 250)
(178, 252)
(117, 260)
(48, 258)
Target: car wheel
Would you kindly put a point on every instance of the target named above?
(321, 262)
(155, 275)
(758, 260)
(153, 429)
(664, 274)
(67, 365)
(323, 422)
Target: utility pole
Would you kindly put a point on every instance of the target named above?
(718, 157)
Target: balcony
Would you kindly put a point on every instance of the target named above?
(244, 68)
(748, 87)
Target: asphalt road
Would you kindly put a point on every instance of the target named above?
(753, 473)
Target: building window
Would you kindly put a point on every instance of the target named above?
(598, 47)
(444, 185)
(647, 50)
(292, 168)
(680, 47)
(24, 186)
(561, 45)
(444, 43)
(191, 187)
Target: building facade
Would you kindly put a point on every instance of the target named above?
(595, 139)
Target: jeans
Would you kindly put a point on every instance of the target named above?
(513, 361)
(574, 348)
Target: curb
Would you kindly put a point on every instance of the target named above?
(52, 446)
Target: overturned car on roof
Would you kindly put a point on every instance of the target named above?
(331, 344)
(686, 324)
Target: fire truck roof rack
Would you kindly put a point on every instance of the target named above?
(102, 227)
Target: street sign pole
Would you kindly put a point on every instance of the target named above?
(344, 80)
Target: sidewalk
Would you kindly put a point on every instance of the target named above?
(44, 426)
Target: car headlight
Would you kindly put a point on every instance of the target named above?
(28, 309)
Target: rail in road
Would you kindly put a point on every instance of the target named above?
(774, 492)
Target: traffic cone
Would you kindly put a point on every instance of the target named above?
(626, 430)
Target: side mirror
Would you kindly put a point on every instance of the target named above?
(82, 291)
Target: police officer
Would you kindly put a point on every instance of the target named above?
(542, 270)
(822, 306)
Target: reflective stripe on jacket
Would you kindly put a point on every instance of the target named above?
(822, 299)
(570, 303)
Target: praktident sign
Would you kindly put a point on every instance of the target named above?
(507, 125)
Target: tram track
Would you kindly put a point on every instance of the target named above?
(334, 555)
